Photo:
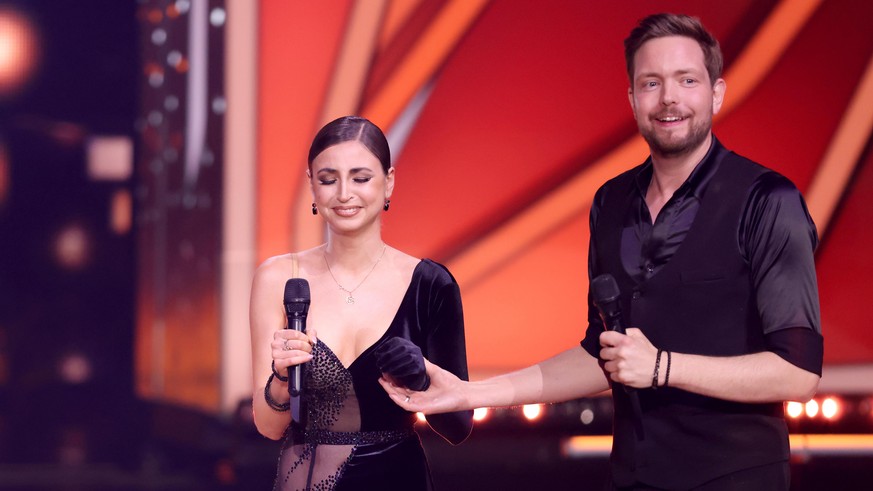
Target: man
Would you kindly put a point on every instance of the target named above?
(713, 256)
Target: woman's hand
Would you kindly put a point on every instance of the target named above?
(445, 393)
(402, 363)
(290, 347)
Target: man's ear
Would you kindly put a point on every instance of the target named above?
(718, 90)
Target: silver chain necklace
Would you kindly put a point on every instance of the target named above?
(350, 299)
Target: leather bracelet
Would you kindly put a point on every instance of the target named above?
(277, 374)
(276, 406)
(655, 373)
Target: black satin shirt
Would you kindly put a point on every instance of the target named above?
(776, 237)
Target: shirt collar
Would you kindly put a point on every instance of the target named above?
(700, 177)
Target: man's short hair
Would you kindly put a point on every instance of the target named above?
(663, 25)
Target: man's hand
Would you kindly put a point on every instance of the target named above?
(629, 359)
(443, 395)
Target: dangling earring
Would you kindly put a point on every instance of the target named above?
(314, 209)
(387, 204)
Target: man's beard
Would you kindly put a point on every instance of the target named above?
(677, 147)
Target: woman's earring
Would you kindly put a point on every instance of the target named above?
(314, 209)
(387, 204)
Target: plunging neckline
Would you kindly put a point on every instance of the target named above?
(415, 272)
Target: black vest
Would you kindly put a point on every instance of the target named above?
(701, 302)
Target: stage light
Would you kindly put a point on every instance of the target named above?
(155, 118)
(219, 105)
(812, 408)
(75, 368)
(480, 414)
(794, 409)
(121, 212)
(217, 17)
(19, 50)
(155, 74)
(182, 6)
(830, 408)
(178, 61)
(171, 103)
(532, 412)
(110, 158)
(73, 247)
(159, 36)
(586, 416)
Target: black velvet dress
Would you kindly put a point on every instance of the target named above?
(353, 436)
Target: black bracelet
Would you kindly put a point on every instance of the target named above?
(655, 373)
(277, 374)
(281, 407)
(667, 376)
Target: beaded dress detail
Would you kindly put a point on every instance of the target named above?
(314, 458)
(352, 436)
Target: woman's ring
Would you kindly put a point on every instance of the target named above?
(407, 399)
(285, 346)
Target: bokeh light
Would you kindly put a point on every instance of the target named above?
(73, 247)
(75, 368)
(812, 408)
(794, 409)
(19, 50)
(480, 414)
(830, 408)
(532, 412)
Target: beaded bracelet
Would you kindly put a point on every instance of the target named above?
(655, 373)
(276, 406)
(277, 374)
(667, 376)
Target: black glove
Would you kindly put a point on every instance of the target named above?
(402, 359)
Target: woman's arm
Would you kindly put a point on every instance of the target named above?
(267, 322)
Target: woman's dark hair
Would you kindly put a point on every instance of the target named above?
(663, 25)
(352, 128)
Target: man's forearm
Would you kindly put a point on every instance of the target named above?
(758, 377)
(569, 375)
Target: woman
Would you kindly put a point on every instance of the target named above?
(376, 309)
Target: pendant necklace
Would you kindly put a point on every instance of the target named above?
(350, 299)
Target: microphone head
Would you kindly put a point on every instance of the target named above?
(605, 294)
(604, 289)
(296, 296)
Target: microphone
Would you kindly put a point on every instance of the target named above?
(606, 295)
(296, 308)
(604, 289)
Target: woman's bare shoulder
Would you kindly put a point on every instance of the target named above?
(282, 266)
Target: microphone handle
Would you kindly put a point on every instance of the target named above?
(614, 324)
(294, 372)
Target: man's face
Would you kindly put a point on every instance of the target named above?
(672, 97)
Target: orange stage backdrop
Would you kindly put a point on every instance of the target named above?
(505, 116)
